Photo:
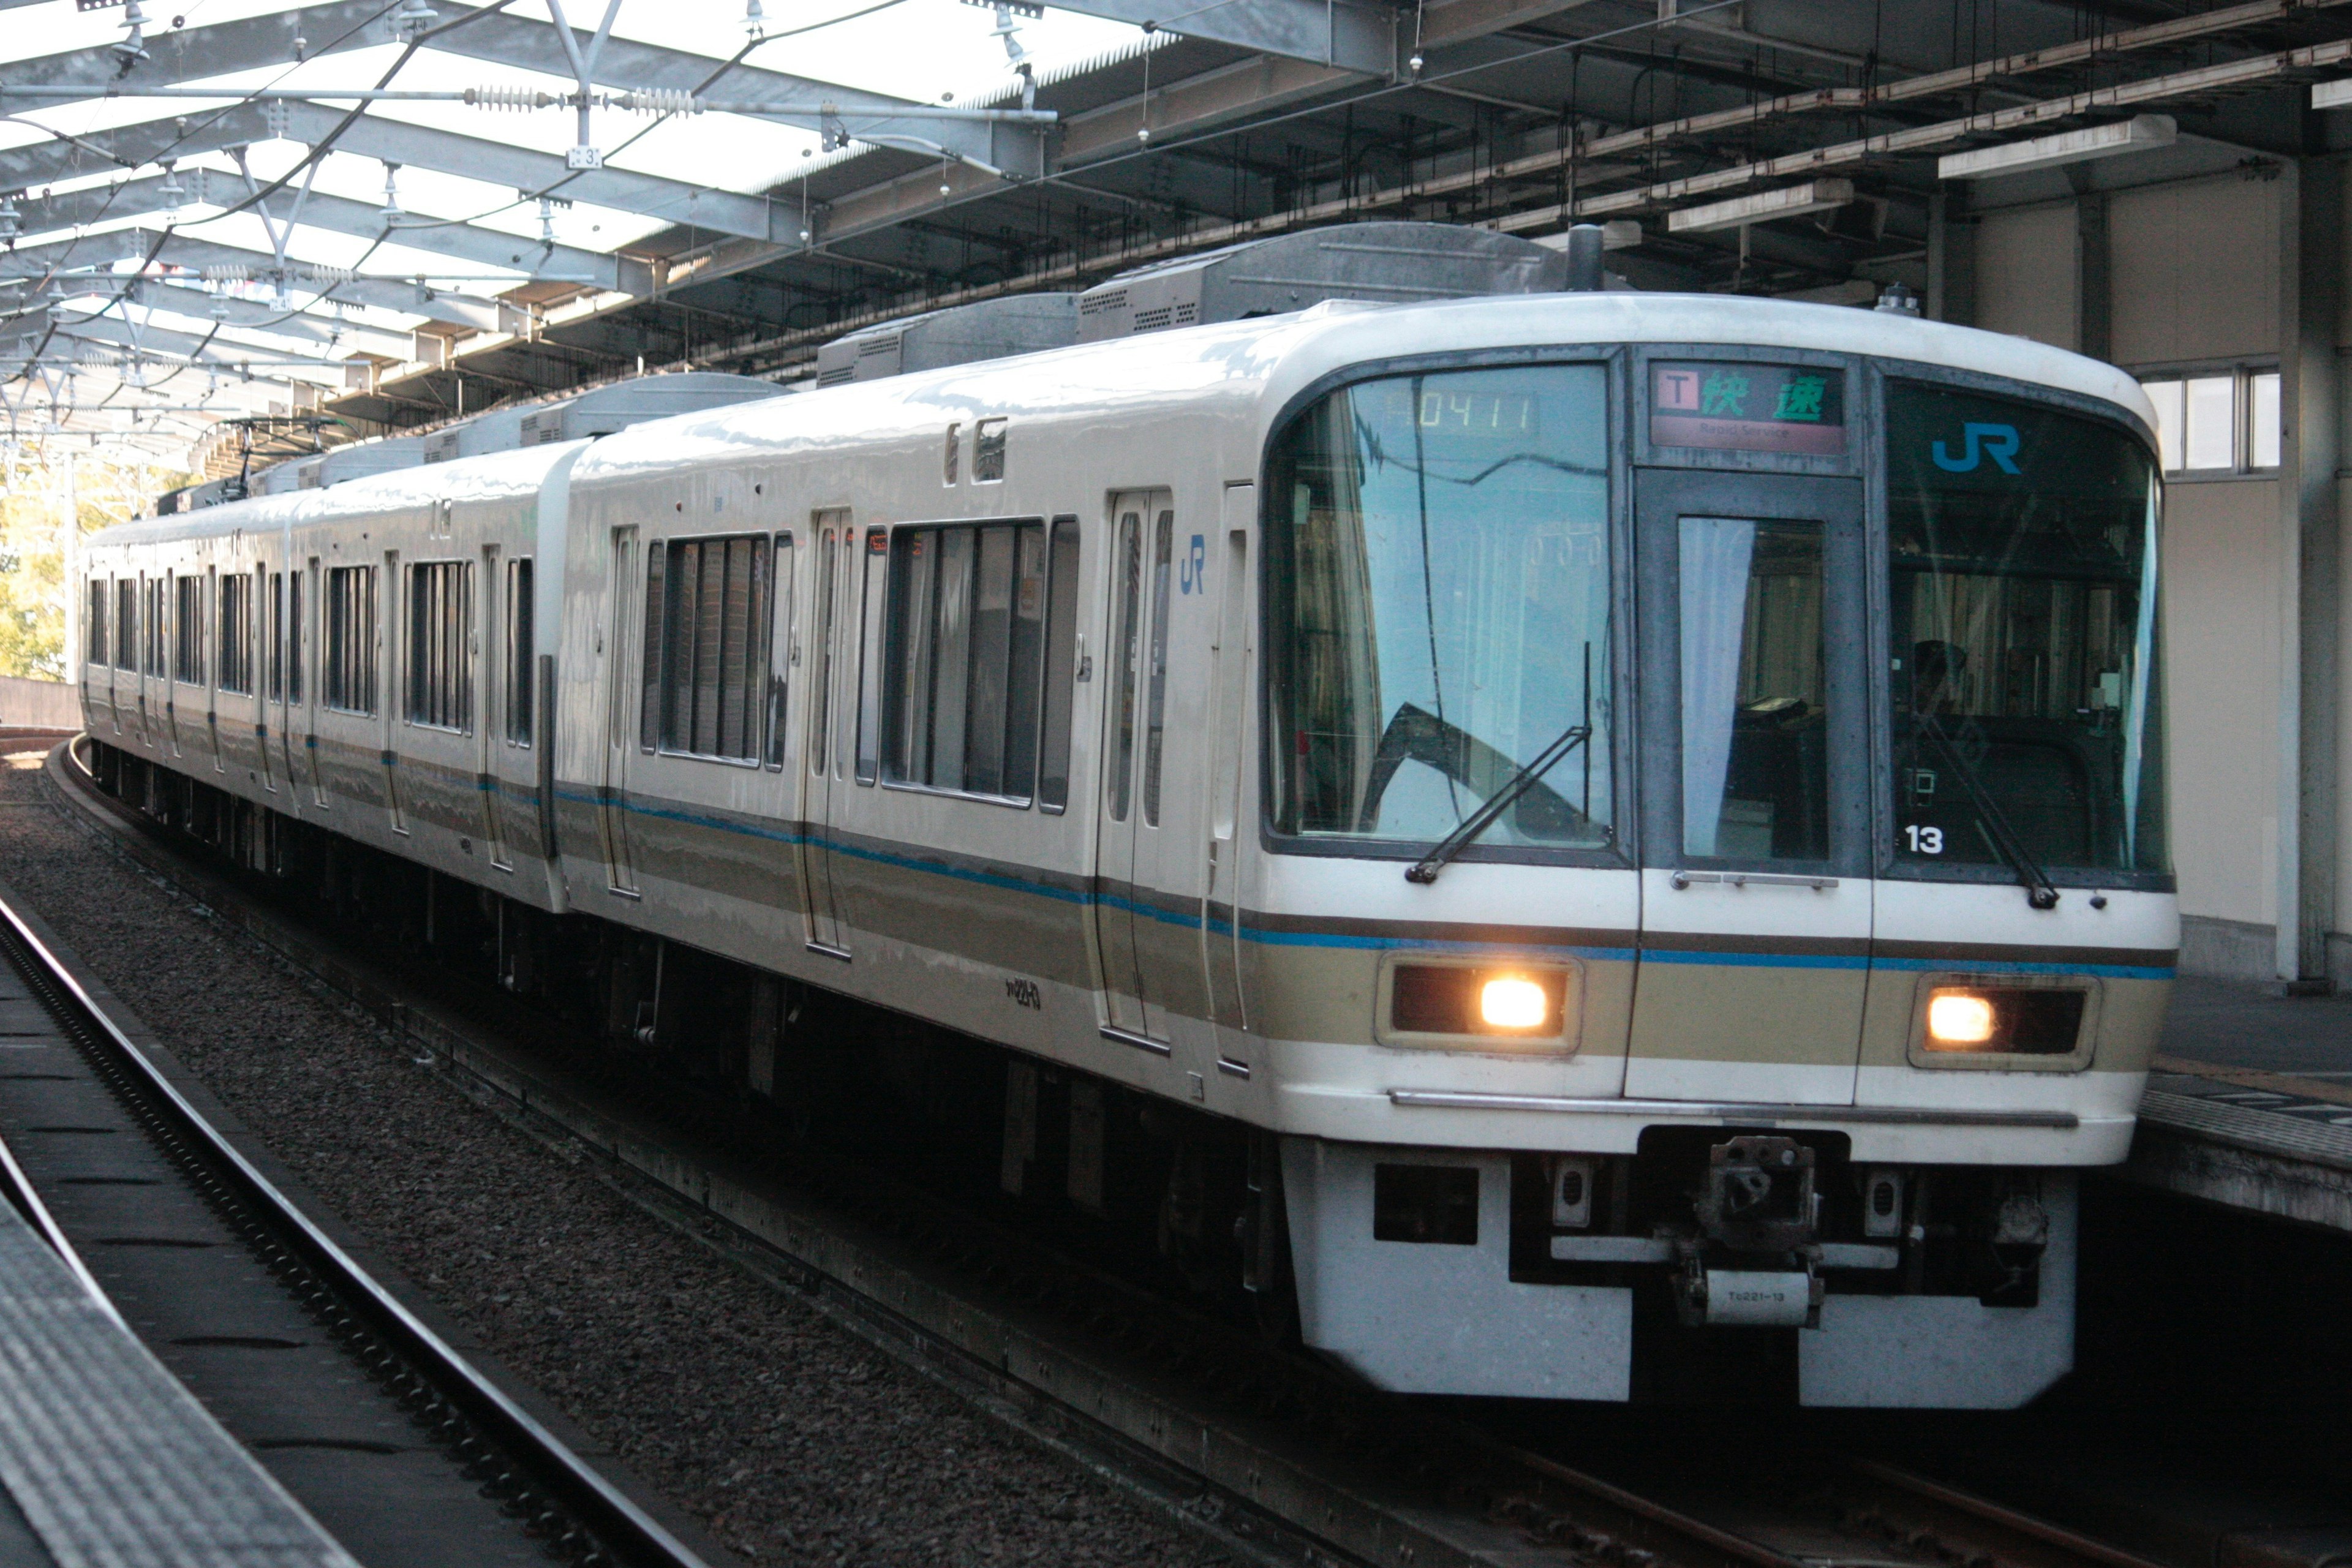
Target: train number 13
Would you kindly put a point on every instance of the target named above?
(1924, 840)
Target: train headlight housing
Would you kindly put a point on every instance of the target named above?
(1440, 1000)
(2007, 1021)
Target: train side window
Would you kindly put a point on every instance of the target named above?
(780, 650)
(157, 640)
(870, 622)
(1156, 721)
(93, 630)
(1121, 779)
(521, 652)
(276, 611)
(188, 630)
(440, 629)
(294, 637)
(705, 658)
(236, 633)
(962, 659)
(821, 637)
(351, 639)
(126, 623)
(1061, 665)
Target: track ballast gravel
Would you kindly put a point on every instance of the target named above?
(792, 1440)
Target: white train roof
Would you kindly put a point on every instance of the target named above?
(1250, 368)
(501, 476)
(1267, 361)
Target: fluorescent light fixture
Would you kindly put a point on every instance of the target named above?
(1789, 201)
(2332, 94)
(2140, 133)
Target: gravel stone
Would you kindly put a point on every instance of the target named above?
(792, 1440)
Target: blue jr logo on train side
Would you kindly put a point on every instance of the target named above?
(1192, 573)
(1998, 442)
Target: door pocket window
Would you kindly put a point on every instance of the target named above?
(1755, 720)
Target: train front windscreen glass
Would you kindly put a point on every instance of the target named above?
(2026, 676)
(1440, 607)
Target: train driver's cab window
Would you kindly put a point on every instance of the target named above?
(351, 639)
(2028, 711)
(1437, 593)
(440, 630)
(977, 662)
(1754, 704)
(706, 646)
(93, 630)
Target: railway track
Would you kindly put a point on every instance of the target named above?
(1273, 1455)
(546, 1492)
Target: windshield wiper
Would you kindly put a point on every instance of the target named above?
(2039, 890)
(1425, 870)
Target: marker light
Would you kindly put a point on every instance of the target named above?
(1958, 1018)
(1508, 1001)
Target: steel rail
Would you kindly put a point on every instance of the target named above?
(625, 1531)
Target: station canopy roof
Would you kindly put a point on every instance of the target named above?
(392, 212)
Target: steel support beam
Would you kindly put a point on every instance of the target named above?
(1371, 40)
(339, 214)
(32, 261)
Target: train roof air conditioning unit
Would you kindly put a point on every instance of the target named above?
(963, 334)
(1380, 263)
(598, 413)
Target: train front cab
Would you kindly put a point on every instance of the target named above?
(1752, 1047)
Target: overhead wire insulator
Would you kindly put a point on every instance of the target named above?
(657, 100)
(232, 272)
(510, 98)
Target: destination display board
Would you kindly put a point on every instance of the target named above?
(1749, 407)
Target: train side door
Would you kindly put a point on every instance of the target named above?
(1229, 649)
(783, 657)
(626, 615)
(828, 735)
(1143, 935)
(1755, 892)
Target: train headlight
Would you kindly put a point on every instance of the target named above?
(1958, 1020)
(1513, 1001)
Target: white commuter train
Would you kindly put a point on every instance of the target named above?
(1614, 843)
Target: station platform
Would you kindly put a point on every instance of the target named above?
(2249, 1103)
(104, 1457)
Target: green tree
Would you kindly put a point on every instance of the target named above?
(41, 484)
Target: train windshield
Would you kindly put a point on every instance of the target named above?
(2028, 702)
(1437, 571)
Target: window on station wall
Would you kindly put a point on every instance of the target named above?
(351, 639)
(236, 633)
(706, 688)
(188, 631)
(977, 659)
(2224, 420)
(93, 627)
(440, 627)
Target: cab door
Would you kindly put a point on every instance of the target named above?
(1129, 836)
(1756, 898)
